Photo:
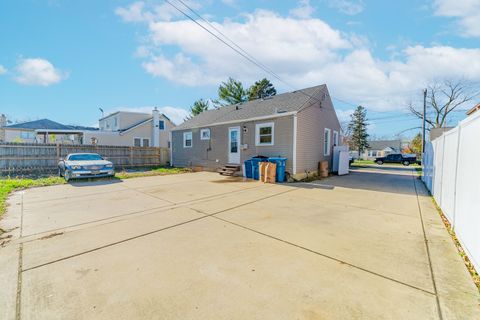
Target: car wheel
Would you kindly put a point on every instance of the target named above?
(380, 162)
(67, 175)
(406, 163)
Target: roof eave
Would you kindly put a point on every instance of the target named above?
(273, 116)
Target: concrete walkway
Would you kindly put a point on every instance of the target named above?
(200, 246)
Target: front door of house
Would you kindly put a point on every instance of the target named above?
(234, 145)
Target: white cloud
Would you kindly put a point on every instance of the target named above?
(350, 7)
(466, 11)
(304, 52)
(38, 72)
(344, 115)
(134, 13)
(304, 10)
(231, 3)
(2, 69)
(177, 115)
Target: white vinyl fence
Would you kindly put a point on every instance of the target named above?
(451, 171)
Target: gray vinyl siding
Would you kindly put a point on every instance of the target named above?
(311, 123)
(206, 152)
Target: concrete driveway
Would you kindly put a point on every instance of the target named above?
(200, 246)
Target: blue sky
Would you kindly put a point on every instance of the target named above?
(64, 59)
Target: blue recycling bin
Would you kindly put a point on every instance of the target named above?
(281, 164)
(255, 167)
(248, 169)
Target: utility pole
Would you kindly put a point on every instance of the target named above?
(423, 119)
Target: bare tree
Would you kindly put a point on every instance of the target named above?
(443, 98)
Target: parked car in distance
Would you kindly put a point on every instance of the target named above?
(84, 165)
(396, 158)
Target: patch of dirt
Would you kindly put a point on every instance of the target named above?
(51, 235)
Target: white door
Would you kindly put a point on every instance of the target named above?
(234, 145)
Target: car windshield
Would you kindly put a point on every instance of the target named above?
(85, 157)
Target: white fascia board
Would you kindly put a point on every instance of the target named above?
(272, 116)
(134, 127)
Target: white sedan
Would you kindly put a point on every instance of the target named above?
(85, 165)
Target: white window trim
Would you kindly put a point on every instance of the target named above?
(141, 141)
(257, 133)
(185, 140)
(329, 141)
(335, 137)
(164, 127)
(201, 134)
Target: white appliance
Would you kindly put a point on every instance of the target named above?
(340, 160)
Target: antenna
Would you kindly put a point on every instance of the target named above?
(101, 110)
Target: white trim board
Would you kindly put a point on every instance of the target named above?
(239, 121)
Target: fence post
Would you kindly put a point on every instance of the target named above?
(457, 160)
(131, 156)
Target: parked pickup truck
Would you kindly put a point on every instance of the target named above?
(397, 158)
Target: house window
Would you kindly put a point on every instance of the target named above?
(205, 134)
(27, 135)
(264, 133)
(161, 125)
(326, 142)
(141, 142)
(187, 139)
(335, 138)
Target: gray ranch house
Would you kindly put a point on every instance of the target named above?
(301, 126)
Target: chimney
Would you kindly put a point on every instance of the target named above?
(156, 128)
(3, 120)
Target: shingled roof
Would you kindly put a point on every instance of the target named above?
(46, 124)
(383, 144)
(273, 106)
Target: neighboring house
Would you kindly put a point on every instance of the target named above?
(381, 148)
(473, 110)
(301, 126)
(124, 128)
(42, 131)
(437, 132)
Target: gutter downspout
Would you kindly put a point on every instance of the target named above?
(171, 148)
(294, 160)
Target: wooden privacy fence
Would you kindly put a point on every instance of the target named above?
(21, 158)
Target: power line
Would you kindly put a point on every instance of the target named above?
(240, 51)
(226, 37)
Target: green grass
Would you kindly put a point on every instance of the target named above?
(419, 170)
(159, 171)
(9, 185)
(369, 162)
(362, 162)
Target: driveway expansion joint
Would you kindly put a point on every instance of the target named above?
(148, 233)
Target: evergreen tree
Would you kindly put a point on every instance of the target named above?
(358, 130)
(198, 107)
(231, 92)
(261, 89)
